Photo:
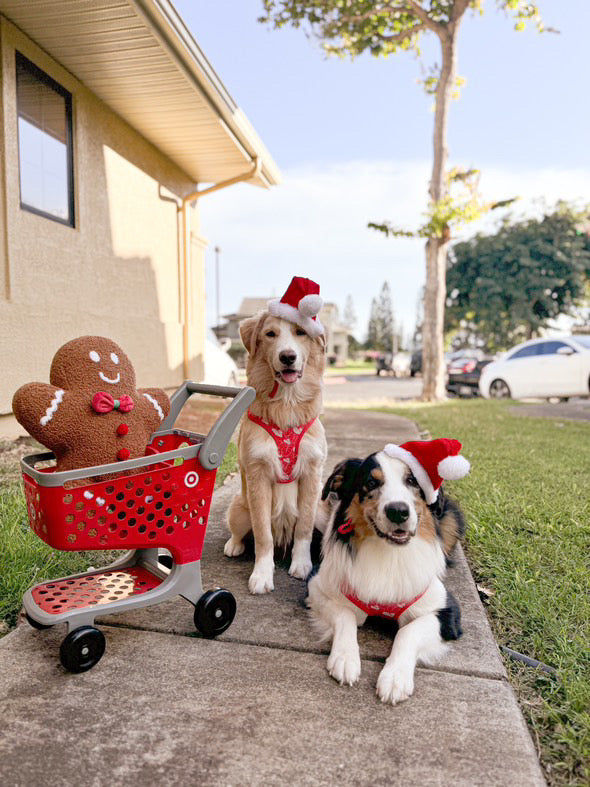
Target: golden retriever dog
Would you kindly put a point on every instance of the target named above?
(281, 446)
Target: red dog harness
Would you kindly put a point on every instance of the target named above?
(390, 611)
(287, 442)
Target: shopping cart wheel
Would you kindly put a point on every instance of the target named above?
(214, 612)
(82, 649)
(35, 624)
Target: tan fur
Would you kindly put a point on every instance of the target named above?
(426, 524)
(274, 513)
(360, 514)
(449, 530)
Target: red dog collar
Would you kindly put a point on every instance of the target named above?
(389, 611)
(287, 441)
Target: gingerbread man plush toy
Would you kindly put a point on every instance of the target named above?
(91, 413)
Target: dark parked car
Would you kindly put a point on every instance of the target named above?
(416, 363)
(384, 363)
(464, 374)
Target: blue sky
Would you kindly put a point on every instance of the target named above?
(354, 139)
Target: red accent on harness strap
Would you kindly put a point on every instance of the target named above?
(389, 611)
(275, 388)
(287, 441)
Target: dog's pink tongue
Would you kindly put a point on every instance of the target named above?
(289, 376)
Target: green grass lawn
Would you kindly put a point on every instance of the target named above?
(528, 539)
(25, 559)
(352, 367)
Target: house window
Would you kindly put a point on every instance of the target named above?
(44, 143)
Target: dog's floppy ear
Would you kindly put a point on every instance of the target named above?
(250, 330)
(341, 478)
(321, 340)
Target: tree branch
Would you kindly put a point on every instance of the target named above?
(424, 17)
(459, 8)
(398, 38)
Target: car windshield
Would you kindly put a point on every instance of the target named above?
(583, 340)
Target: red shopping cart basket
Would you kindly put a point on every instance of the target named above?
(159, 501)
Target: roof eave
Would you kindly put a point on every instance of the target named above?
(177, 38)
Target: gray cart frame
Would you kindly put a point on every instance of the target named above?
(181, 579)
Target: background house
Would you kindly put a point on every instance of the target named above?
(336, 331)
(110, 116)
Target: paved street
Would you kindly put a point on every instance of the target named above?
(370, 389)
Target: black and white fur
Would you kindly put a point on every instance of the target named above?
(399, 547)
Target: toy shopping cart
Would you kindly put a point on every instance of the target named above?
(159, 501)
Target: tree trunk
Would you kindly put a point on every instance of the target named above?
(436, 248)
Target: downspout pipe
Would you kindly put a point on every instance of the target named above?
(183, 207)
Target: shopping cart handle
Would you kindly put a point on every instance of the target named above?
(215, 444)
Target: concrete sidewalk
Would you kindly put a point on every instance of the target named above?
(257, 706)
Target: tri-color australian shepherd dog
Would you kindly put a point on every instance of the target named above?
(388, 536)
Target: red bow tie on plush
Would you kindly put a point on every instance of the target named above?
(103, 402)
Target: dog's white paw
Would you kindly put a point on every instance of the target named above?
(395, 685)
(345, 666)
(233, 548)
(301, 559)
(261, 580)
(300, 568)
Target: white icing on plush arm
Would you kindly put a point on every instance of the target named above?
(157, 407)
(52, 409)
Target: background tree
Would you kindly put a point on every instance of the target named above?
(385, 317)
(373, 328)
(349, 314)
(351, 27)
(504, 287)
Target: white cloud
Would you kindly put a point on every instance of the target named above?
(315, 225)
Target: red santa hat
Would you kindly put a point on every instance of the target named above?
(300, 304)
(431, 462)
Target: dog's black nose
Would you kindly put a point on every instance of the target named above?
(287, 358)
(397, 512)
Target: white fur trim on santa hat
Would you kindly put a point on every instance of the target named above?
(451, 468)
(310, 305)
(420, 474)
(287, 312)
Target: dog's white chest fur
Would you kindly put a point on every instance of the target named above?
(385, 574)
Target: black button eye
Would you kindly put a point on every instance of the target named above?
(271, 334)
(300, 332)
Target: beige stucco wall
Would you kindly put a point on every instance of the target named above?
(118, 273)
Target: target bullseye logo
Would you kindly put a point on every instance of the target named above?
(191, 479)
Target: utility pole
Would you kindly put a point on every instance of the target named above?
(217, 253)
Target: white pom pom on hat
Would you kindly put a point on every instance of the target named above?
(453, 468)
(431, 462)
(310, 305)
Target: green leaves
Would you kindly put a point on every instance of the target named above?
(506, 286)
(461, 205)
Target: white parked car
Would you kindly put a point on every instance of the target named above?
(220, 368)
(540, 368)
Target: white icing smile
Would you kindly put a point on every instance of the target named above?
(108, 379)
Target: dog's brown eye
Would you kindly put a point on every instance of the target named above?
(271, 334)
(371, 484)
(411, 481)
(300, 332)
